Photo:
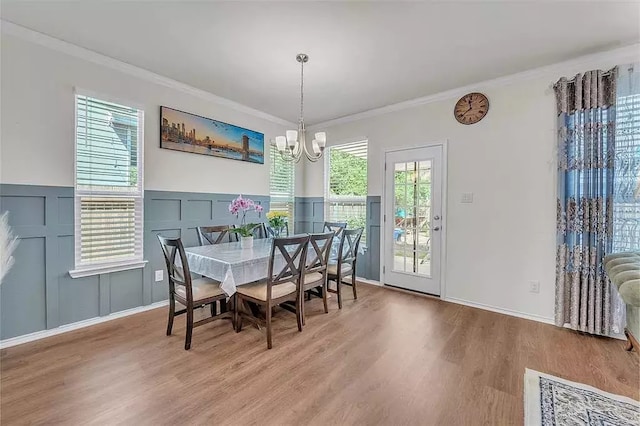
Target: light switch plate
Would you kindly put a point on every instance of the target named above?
(534, 286)
(467, 197)
(159, 275)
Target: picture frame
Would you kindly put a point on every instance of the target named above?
(186, 132)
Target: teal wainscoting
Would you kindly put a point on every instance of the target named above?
(39, 294)
(309, 214)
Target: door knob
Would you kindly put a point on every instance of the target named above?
(437, 228)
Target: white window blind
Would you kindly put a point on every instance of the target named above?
(109, 188)
(346, 184)
(282, 185)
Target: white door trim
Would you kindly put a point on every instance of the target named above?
(383, 208)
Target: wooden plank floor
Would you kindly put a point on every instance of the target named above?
(389, 358)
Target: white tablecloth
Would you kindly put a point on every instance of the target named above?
(234, 266)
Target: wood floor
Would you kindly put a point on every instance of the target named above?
(388, 358)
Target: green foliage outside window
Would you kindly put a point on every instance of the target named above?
(348, 174)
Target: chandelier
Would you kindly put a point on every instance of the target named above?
(293, 145)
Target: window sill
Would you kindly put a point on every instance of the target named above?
(106, 269)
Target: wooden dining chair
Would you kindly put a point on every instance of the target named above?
(207, 235)
(192, 293)
(346, 264)
(282, 284)
(315, 276)
(335, 227)
(260, 232)
(274, 232)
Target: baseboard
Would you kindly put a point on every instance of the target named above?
(501, 310)
(619, 336)
(370, 282)
(18, 340)
(472, 304)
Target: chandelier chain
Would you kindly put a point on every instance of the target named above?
(301, 91)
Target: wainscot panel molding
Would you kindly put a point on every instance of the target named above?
(39, 294)
(309, 214)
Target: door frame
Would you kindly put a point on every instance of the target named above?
(443, 235)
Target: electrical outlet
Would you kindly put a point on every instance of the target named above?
(159, 275)
(534, 286)
(467, 197)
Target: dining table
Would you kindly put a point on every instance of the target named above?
(233, 266)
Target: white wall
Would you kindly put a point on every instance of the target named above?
(38, 124)
(506, 237)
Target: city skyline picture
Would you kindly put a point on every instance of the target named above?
(182, 131)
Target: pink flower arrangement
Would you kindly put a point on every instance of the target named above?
(242, 206)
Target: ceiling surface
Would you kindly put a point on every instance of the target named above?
(363, 55)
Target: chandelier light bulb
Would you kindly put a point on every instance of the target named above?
(281, 143)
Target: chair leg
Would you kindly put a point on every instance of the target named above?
(301, 308)
(235, 312)
(354, 284)
(187, 340)
(268, 318)
(239, 304)
(300, 312)
(324, 297)
(339, 289)
(172, 311)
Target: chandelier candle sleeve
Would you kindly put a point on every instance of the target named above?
(293, 145)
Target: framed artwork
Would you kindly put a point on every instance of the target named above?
(186, 132)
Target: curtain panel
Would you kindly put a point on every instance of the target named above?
(586, 108)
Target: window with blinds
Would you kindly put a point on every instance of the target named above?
(282, 185)
(346, 185)
(109, 190)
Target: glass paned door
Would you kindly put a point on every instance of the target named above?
(413, 219)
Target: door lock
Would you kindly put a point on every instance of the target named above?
(437, 228)
(436, 218)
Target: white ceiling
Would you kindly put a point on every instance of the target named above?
(363, 55)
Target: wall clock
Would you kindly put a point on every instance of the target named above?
(471, 108)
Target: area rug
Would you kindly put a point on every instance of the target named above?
(550, 400)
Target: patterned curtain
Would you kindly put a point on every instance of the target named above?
(586, 151)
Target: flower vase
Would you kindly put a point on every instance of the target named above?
(246, 242)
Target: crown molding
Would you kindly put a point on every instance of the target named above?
(625, 54)
(71, 49)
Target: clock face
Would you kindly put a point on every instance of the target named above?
(471, 108)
